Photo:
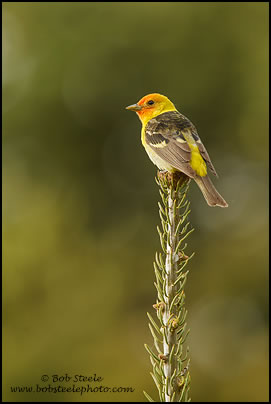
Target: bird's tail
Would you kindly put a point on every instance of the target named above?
(213, 198)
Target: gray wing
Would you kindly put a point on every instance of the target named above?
(164, 134)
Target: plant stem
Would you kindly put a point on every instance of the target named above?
(170, 368)
(171, 268)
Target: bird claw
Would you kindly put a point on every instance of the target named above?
(172, 177)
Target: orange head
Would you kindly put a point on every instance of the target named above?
(151, 105)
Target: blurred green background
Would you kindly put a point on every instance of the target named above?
(80, 201)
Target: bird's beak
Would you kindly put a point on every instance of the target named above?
(134, 107)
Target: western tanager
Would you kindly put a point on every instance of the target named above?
(173, 144)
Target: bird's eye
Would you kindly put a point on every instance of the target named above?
(150, 102)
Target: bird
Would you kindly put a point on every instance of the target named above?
(173, 144)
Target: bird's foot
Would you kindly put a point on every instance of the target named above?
(172, 177)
